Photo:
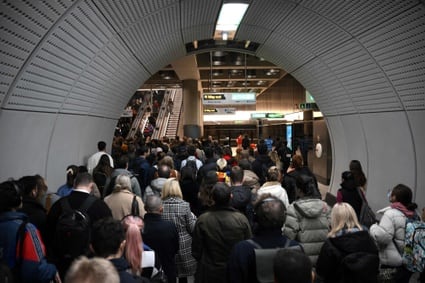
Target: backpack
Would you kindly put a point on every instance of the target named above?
(264, 260)
(190, 169)
(357, 267)
(360, 267)
(8, 274)
(414, 245)
(72, 234)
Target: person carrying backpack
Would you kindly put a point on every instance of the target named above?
(390, 232)
(22, 251)
(243, 266)
(349, 254)
(70, 220)
(191, 151)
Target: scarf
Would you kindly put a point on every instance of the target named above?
(402, 208)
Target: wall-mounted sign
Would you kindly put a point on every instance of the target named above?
(219, 111)
(309, 106)
(267, 116)
(229, 98)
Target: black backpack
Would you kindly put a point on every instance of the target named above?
(190, 169)
(72, 234)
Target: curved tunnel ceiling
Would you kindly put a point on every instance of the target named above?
(363, 61)
(88, 57)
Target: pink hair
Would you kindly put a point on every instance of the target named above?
(134, 244)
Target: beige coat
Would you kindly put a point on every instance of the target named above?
(120, 204)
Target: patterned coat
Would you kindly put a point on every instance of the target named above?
(178, 211)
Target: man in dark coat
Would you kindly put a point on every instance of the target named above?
(83, 185)
(216, 231)
(241, 194)
(262, 162)
(210, 164)
(270, 216)
(161, 235)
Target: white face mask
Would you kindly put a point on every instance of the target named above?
(389, 195)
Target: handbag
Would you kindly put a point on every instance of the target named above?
(367, 216)
(135, 207)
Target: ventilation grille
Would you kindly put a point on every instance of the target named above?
(81, 69)
(294, 55)
(359, 16)
(260, 20)
(148, 29)
(198, 19)
(398, 46)
(23, 24)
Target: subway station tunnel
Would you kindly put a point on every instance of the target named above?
(69, 67)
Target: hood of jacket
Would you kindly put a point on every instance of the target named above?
(158, 183)
(354, 242)
(310, 207)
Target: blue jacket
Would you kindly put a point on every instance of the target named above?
(34, 266)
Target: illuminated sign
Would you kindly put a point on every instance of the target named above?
(230, 98)
(309, 106)
(219, 110)
(258, 115)
(267, 116)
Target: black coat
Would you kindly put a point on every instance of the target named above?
(190, 190)
(162, 236)
(348, 193)
(37, 215)
(333, 251)
(260, 166)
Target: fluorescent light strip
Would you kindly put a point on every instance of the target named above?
(230, 16)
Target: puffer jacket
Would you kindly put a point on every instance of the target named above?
(308, 222)
(275, 189)
(391, 226)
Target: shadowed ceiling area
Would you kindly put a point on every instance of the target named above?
(363, 61)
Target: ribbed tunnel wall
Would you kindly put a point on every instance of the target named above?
(69, 67)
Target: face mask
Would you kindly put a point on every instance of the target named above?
(389, 195)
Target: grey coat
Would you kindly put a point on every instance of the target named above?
(308, 222)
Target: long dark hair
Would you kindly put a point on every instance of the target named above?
(104, 165)
(357, 171)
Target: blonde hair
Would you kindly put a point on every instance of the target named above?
(343, 216)
(99, 270)
(122, 182)
(171, 189)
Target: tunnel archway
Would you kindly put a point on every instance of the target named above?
(70, 66)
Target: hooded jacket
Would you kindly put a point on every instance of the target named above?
(34, 266)
(389, 236)
(308, 222)
(274, 188)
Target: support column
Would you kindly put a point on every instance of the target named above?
(191, 109)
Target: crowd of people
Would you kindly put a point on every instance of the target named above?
(168, 211)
